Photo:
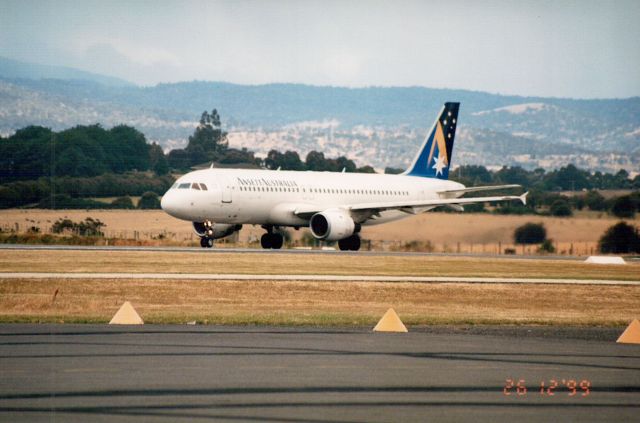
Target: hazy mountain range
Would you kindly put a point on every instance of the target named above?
(379, 126)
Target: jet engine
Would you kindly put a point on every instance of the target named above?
(333, 225)
(214, 231)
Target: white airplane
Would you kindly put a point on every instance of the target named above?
(335, 206)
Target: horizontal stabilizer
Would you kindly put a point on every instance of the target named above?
(454, 192)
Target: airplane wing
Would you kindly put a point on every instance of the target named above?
(411, 207)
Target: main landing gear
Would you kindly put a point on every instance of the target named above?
(271, 239)
(350, 244)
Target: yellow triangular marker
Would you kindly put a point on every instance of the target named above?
(631, 334)
(390, 322)
(127, 315)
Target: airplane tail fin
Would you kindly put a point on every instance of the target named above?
(434, 158)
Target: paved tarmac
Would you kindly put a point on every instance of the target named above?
(79, 373)
(325, 278)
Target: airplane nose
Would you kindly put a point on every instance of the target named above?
(167, 202)
(173, 203)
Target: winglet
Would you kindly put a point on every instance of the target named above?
(523, 198)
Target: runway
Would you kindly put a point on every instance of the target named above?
(325, 278)
(301, 251)
(78, 373)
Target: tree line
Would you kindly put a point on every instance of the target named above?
(567, 178)
(82, 151)
(38, 164)
(72, 192)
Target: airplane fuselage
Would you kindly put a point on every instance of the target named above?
(268, 197)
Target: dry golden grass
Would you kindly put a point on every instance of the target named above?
(475, 232)
(118, 222)
(316, 303)
(487, 228)
(283, 263)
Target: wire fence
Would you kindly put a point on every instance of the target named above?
(250, 240)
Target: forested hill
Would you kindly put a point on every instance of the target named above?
(275, 105)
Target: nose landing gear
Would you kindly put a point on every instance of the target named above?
(206, 242)
(208, 226)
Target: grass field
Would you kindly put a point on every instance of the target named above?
(316, 303)
(443, 231)
(313, 303)
(323, 264)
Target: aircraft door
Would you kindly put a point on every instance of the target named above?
(227, 188)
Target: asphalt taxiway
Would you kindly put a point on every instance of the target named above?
(167, 373)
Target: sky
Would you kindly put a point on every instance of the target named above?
(560, 48)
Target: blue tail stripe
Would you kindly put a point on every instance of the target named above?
(434, 158)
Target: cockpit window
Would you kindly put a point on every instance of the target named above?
(203, 186)
(195, 186)
(184, 186)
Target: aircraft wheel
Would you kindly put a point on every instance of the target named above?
(344, 244)
(265, 241)
(276, 241)
(209, 242)
(203, 242)
(350, 244)
(355, 242)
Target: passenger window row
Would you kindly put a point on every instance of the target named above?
(357, 191)
(327, 191)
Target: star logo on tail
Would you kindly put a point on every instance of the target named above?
(440, 164)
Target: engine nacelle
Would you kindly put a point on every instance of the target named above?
(216, 231)
(332, 225)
